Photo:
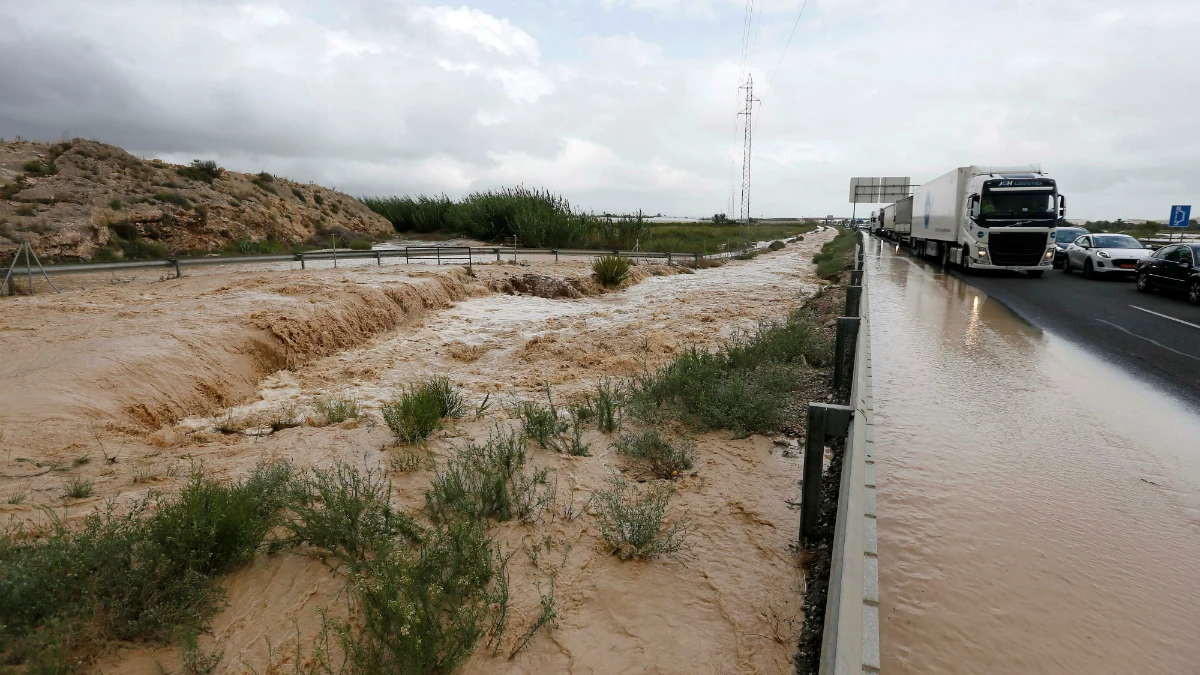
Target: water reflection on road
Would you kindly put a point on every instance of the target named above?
(1039, 511)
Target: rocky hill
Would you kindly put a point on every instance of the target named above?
(80, 200)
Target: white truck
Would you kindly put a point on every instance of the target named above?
(988, 217)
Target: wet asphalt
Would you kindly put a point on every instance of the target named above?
(1154, 336)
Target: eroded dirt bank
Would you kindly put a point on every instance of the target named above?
(729, 603)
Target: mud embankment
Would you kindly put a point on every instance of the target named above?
(130, 359)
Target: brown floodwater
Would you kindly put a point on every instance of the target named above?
(1039, 509)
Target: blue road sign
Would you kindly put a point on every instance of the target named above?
(1180, 216)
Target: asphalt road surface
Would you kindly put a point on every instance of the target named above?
(1154, 336)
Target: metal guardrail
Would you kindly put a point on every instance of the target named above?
(441, 254)
(850, 643)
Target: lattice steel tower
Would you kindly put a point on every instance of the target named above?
(747, 111)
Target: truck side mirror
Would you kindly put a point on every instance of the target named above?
(974, 206)
(1062, 206)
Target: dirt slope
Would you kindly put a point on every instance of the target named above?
(80, 199)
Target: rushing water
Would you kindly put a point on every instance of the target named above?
(1039, 510)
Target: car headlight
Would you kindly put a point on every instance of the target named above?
(1103, 254)
(1060, 249)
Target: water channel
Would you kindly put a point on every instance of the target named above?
(1039, 509)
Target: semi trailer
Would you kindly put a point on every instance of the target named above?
(987, 217)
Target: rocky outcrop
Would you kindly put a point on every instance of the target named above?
(83, 200)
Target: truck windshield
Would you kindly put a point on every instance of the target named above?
(1017, 205)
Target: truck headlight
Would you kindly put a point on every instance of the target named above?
(982, 253)
(1049, 254)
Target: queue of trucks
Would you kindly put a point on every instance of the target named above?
(980, 217)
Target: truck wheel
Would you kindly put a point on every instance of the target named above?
(966, 263)
(945, 255)
(1088, 271)
(1035, 274)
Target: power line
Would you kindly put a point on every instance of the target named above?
(771, 82)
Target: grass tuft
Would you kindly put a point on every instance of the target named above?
(337, 409)
(631, 521)
(611, 270)
(420, 410)
(609, 403)
(79, 488)
(540, 422)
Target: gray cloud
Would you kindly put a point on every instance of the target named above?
(385, 97)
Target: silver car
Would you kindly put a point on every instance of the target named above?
(1097, 254)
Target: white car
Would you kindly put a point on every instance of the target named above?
(1104, 254)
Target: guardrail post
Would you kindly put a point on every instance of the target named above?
(175, 262)
(668, 258)
(697, 259)
(853, 300)
(824, 421)
(856, 277)
(497, 254)
(301, 257)
(555, 252)
(847, 330)
(378, 259)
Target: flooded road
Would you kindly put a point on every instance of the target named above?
(1039, 509)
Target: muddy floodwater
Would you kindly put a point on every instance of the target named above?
(1039, 509)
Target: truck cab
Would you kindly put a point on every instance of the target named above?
(1012, 218)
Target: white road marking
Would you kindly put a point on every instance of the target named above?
(1140, 337)
(1186, 323)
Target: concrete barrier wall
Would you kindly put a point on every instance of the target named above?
(850, 644)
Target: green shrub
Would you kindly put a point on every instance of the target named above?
(611, 270)
(360, 244)
(138, 574)
(347, 512)
(299, 195)
(422, 610)
(116, 204)
(836, 253)
(610, 400)
(666, 460)
(776, 245)
(539, 422)
(631, 521)
(247, 246)
(173, 198)
(744, 385)
(206, 171)
(337, 409)
(27, 210)
(487, 481)
(40, 167)
(142, 249)
(420, 410)
(264, 177)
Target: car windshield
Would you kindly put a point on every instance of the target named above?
(1115, 241)
(1017, 204)
(1068, 235)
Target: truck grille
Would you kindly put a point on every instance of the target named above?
(1017, 248)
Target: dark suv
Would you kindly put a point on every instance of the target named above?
(1063, 237)
(1175, 267)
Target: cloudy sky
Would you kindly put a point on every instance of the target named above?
(626, 104)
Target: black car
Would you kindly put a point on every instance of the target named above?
(1062, 238)
(1175, 268)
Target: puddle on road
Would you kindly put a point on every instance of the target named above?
(1039, 509)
